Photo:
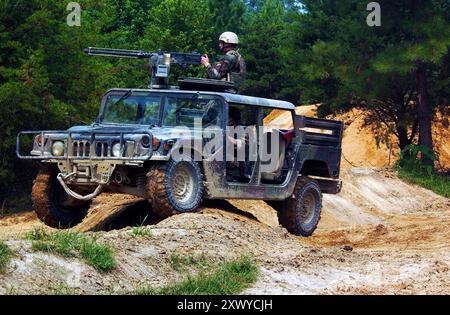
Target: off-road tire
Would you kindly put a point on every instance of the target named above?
(300, 214)
(277, 205)
(45, 197)
(161, 191)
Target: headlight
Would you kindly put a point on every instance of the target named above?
(58, 148)
(145, 141)
(116, 150)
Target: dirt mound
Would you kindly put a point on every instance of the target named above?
(15, 219)
(17, 224)
(362, 145)
(105, 209)
(283, 120)
(376, 209)
(379, 235)
(441, 138)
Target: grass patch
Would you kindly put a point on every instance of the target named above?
(412, 168)
(99, 256)
(60, 290)
(181, 263)
(141, 231)
(5, 256)
(71, 244)
(436, 183)
(228, 278)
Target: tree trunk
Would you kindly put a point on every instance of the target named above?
(403, 140)
(424, 111)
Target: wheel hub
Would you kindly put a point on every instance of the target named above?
(308, 206)
(182, 184)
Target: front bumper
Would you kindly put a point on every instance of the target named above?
(88, 156)
(88, 145)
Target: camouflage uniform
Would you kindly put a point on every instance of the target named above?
(230, 68)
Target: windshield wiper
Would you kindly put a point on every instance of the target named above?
(193, 98)
(123, 97)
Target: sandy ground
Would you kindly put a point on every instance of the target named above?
(379, 235)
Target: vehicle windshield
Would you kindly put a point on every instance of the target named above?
(185, 110)
(132, 108)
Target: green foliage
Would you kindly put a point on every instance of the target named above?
(262, 50)
(411, 158)
(439, 184)
(227, 15)
(169, 30)
(44, 78)
(411, 168)
(344, 63)
(60, 289)
(181, 262)
(227, 279)
(99, 256)
(141, 231)
(71, 244)
(5, 256)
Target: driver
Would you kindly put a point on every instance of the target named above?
(234, 118)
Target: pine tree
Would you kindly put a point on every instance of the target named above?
(227, 15)
(421, 31)
(261, 49)
(345, 63)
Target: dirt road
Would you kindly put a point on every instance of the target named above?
(380, 235)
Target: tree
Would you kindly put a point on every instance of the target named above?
(384, 69)
(422, 34)
(261, 45)
(179, 25)
(44, 78)
(227, 15)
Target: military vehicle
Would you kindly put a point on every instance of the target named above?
(150, 143)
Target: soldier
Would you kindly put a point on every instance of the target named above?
(232, 66)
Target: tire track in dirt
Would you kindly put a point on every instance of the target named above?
(379, 235)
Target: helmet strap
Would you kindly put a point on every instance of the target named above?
(227, 47)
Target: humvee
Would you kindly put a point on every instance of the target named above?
(151, 143)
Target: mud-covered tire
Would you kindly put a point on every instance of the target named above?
(275, 204)
(46, 197)
(175, 187)
(300, 214)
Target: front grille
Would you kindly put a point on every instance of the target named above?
(81, 149)
(102, 149)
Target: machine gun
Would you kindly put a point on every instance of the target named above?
(160, 62)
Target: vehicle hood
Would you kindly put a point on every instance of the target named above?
(110, 128)
(163, 133)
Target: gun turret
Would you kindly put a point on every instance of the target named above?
(160, 62)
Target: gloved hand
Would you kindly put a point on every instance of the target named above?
(205, 61)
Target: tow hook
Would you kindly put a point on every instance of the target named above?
(62, 178)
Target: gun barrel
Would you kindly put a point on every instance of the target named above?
(120, 53)
(175, 57)
(186, 59)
